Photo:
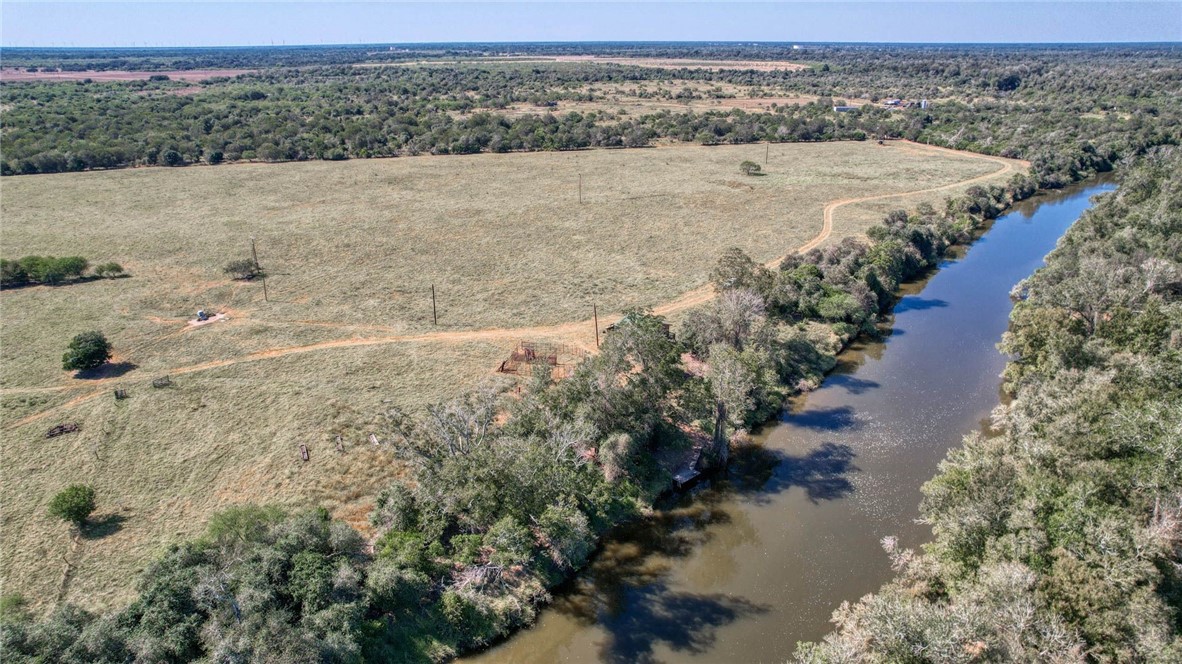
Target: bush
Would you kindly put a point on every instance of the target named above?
(109, 270)
(749, 168)
(73, 504)
(87, 351)
(242, 269)
(12, 273)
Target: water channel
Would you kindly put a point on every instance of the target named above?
(742, 569)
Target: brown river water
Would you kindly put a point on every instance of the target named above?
(741, 569)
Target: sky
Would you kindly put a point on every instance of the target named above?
(203, 23)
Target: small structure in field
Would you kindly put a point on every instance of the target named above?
(205, 318)
(528, 357)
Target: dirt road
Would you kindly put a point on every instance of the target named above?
(580, 332)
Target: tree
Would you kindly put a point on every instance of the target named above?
(735, 269)
(749, 168)
(172, 158)
(73, 504)
(731, 382)
(87, 351)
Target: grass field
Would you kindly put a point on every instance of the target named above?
(351, 249)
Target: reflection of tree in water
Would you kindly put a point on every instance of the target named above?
(626, 591)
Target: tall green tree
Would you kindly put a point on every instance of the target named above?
(88, 350)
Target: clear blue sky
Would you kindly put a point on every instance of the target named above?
(200, 23)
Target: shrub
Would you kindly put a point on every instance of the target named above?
(109, 270)
(12, 273)
(396, 509)
(71, 266)
(749, 168)
(510, 541)
(87, 351)
(242, 269)
(73, 504)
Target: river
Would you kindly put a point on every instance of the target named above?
(742, 569)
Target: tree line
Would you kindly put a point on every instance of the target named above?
(51, 270)
(1069, 111)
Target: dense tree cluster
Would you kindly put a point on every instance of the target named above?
(51, 270)
(1071, 112)
(1059, 538)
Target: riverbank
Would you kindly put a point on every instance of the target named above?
(759, 557)
(1069, 515)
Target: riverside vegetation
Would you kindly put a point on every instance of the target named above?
(1059, 538)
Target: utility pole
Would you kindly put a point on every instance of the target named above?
(595, 314)
(434, 312)
(254, 254)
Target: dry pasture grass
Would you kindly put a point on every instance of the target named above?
(638, 98)
(352, 249)
(15, 74)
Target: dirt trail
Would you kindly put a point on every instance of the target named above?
(578, 332)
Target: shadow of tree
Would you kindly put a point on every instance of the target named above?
(824, 419)
(685, 622)
(98, 528)
(625, 591)
(915, 303)
(760, 473)
(852, 384)
(110, 370)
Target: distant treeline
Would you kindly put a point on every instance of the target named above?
(1060, 538)
(1069, 111)
(510, 495)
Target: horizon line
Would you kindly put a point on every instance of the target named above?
(596, 41)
